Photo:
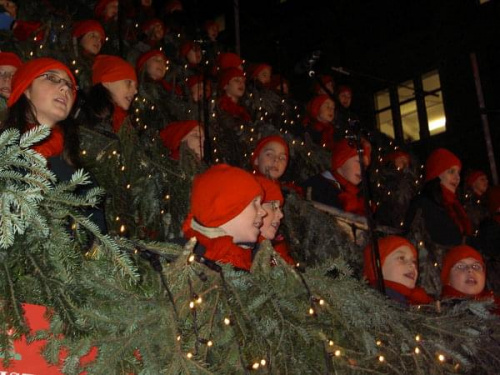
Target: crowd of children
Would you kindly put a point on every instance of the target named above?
(194, 87)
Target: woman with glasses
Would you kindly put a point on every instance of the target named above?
(43, 93)
(464, 276)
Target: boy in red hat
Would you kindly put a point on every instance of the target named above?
(319, 120)
(340, 186)
(232, 84)
(398, 258)
(189, 132)
(445, 219)
(464, 276)
(226, 215)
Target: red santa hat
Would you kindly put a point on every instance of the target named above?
(100, 7)
(263, 142)
(83, 27)
(146, 26)
(344, 88)
(315, 104)
(254, 69)
(472, 176)
(386, 246)
(227, 60)
(392, 156)
(173, 134)
(439, 161)
(342, 151)
(453, 256)
(9, 58)
(25, 75)
(228, 74)
(143, 59)
(108, 68)
(186, 47)
(222, 193)
(271, 188)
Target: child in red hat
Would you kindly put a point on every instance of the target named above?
(226, 215)
(319, 120)
(114, 88)
(272, 204)
(464, 276)
(340, 186)
(328, 82)
(270, 157)
(232, 84)
(9, 63)
(398, 258)
(90, 36)
(260, 74)
(197, 85)
(107, 10)
(190, 132)
(445, 219)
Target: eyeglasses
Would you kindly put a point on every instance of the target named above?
(462, 267)
(6, 75)
(56, 80)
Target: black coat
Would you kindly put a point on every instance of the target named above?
(324, 190)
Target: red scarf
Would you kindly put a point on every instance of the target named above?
(169, 87)
(53, 145)
(449, 292)
(349, 196)
(227, 104)
(326, 130)
(415, 296)
(220, 249)
(456, 211)
(119, 115)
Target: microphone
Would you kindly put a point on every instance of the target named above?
(306, 65)
(340, 70)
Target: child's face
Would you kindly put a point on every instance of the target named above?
(480, 185)
(111, 11)
(326, 111)
(272, 160)
(235, 88)
(245, 227)
(402, 162)
(195, 140)
(264, 76)
(351, 170)
(400, 266)
(345, 98)
(156, 67)
(194, 55)
(213, 33)
(272, 220)
(156, 32)
(91, 42)
(468, 276)
(450, 178)
(122, 92)
(6, 74)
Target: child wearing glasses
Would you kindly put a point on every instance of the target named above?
(464, 276)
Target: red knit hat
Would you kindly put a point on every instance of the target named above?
(264, 141)
(386, 246)
(101, 6)
(342, 151)
(228, 60)
(325, 79)
(453, 256)
(473, 176)
(209, 24)
(193, 80)
(173, 134)
(254, 70)
(25, 75)
(9, 58)
(83, 27)
(271, 188)
(392, 156)
(344, 88)
(229, 74)
(108, 68)
(315, 104)
(439, 161)
(143, 59)
(185, 48)
(221, 193)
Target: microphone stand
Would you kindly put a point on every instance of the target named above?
(356, 130)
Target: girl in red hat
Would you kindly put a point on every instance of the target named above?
(189, 132)
(398, 258)
(272, 204)
(463, 276)
(90, 36)
(232, 83)
(445, 219)
(270, 157)
(226, 215)
(319, 120)
(340, 186)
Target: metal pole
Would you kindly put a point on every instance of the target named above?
(484, 118)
